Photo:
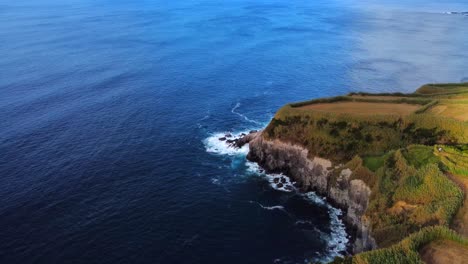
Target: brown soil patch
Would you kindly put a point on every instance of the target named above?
(365, 108)
(401, 207)
(444, 252)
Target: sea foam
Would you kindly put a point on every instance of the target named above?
(213, 144)
(337, 240)
(273, 178)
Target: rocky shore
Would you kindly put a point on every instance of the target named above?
(352, 196)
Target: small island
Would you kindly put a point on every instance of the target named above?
(397, 164)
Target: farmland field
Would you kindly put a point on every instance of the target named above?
(364, 108)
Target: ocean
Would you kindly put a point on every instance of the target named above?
(111, 114)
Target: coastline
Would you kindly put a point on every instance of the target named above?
(351, 197)
(386, 169)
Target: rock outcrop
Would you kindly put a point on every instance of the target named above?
(315, 174)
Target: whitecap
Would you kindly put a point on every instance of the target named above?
(278, 207)
(457, 13)
(215, 181)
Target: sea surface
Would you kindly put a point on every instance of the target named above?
(110, 114)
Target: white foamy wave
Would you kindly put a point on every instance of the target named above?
(312, 196)
(278, 207)
(275, 207)
(337, 240)
(215, 181)
(214, 144)
(279, 182)
(254, 168)
(457, 13)
(233, 110)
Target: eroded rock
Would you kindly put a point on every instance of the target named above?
(315, 174)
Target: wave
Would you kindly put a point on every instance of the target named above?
(233, 110)
(215, 181)
(457, 13)
(274, 207)
(214, 144)
(337, 240)
(312, 196)
(279, 182)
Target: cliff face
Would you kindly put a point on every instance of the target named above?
(350, 195)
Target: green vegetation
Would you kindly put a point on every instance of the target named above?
(442, 89)
(374, 162)
(402, 152)
(454, 158)
(408, 193)
(420, 155)
(406, 251)
(342, 135)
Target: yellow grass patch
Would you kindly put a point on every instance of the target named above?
(456, 111)
(367, 108)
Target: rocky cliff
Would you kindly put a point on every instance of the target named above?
(315, 174)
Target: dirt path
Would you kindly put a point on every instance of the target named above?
(444, 252)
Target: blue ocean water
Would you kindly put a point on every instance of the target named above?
(110, 113)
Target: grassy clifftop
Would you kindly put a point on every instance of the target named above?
(404, 147)
(370, 124)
